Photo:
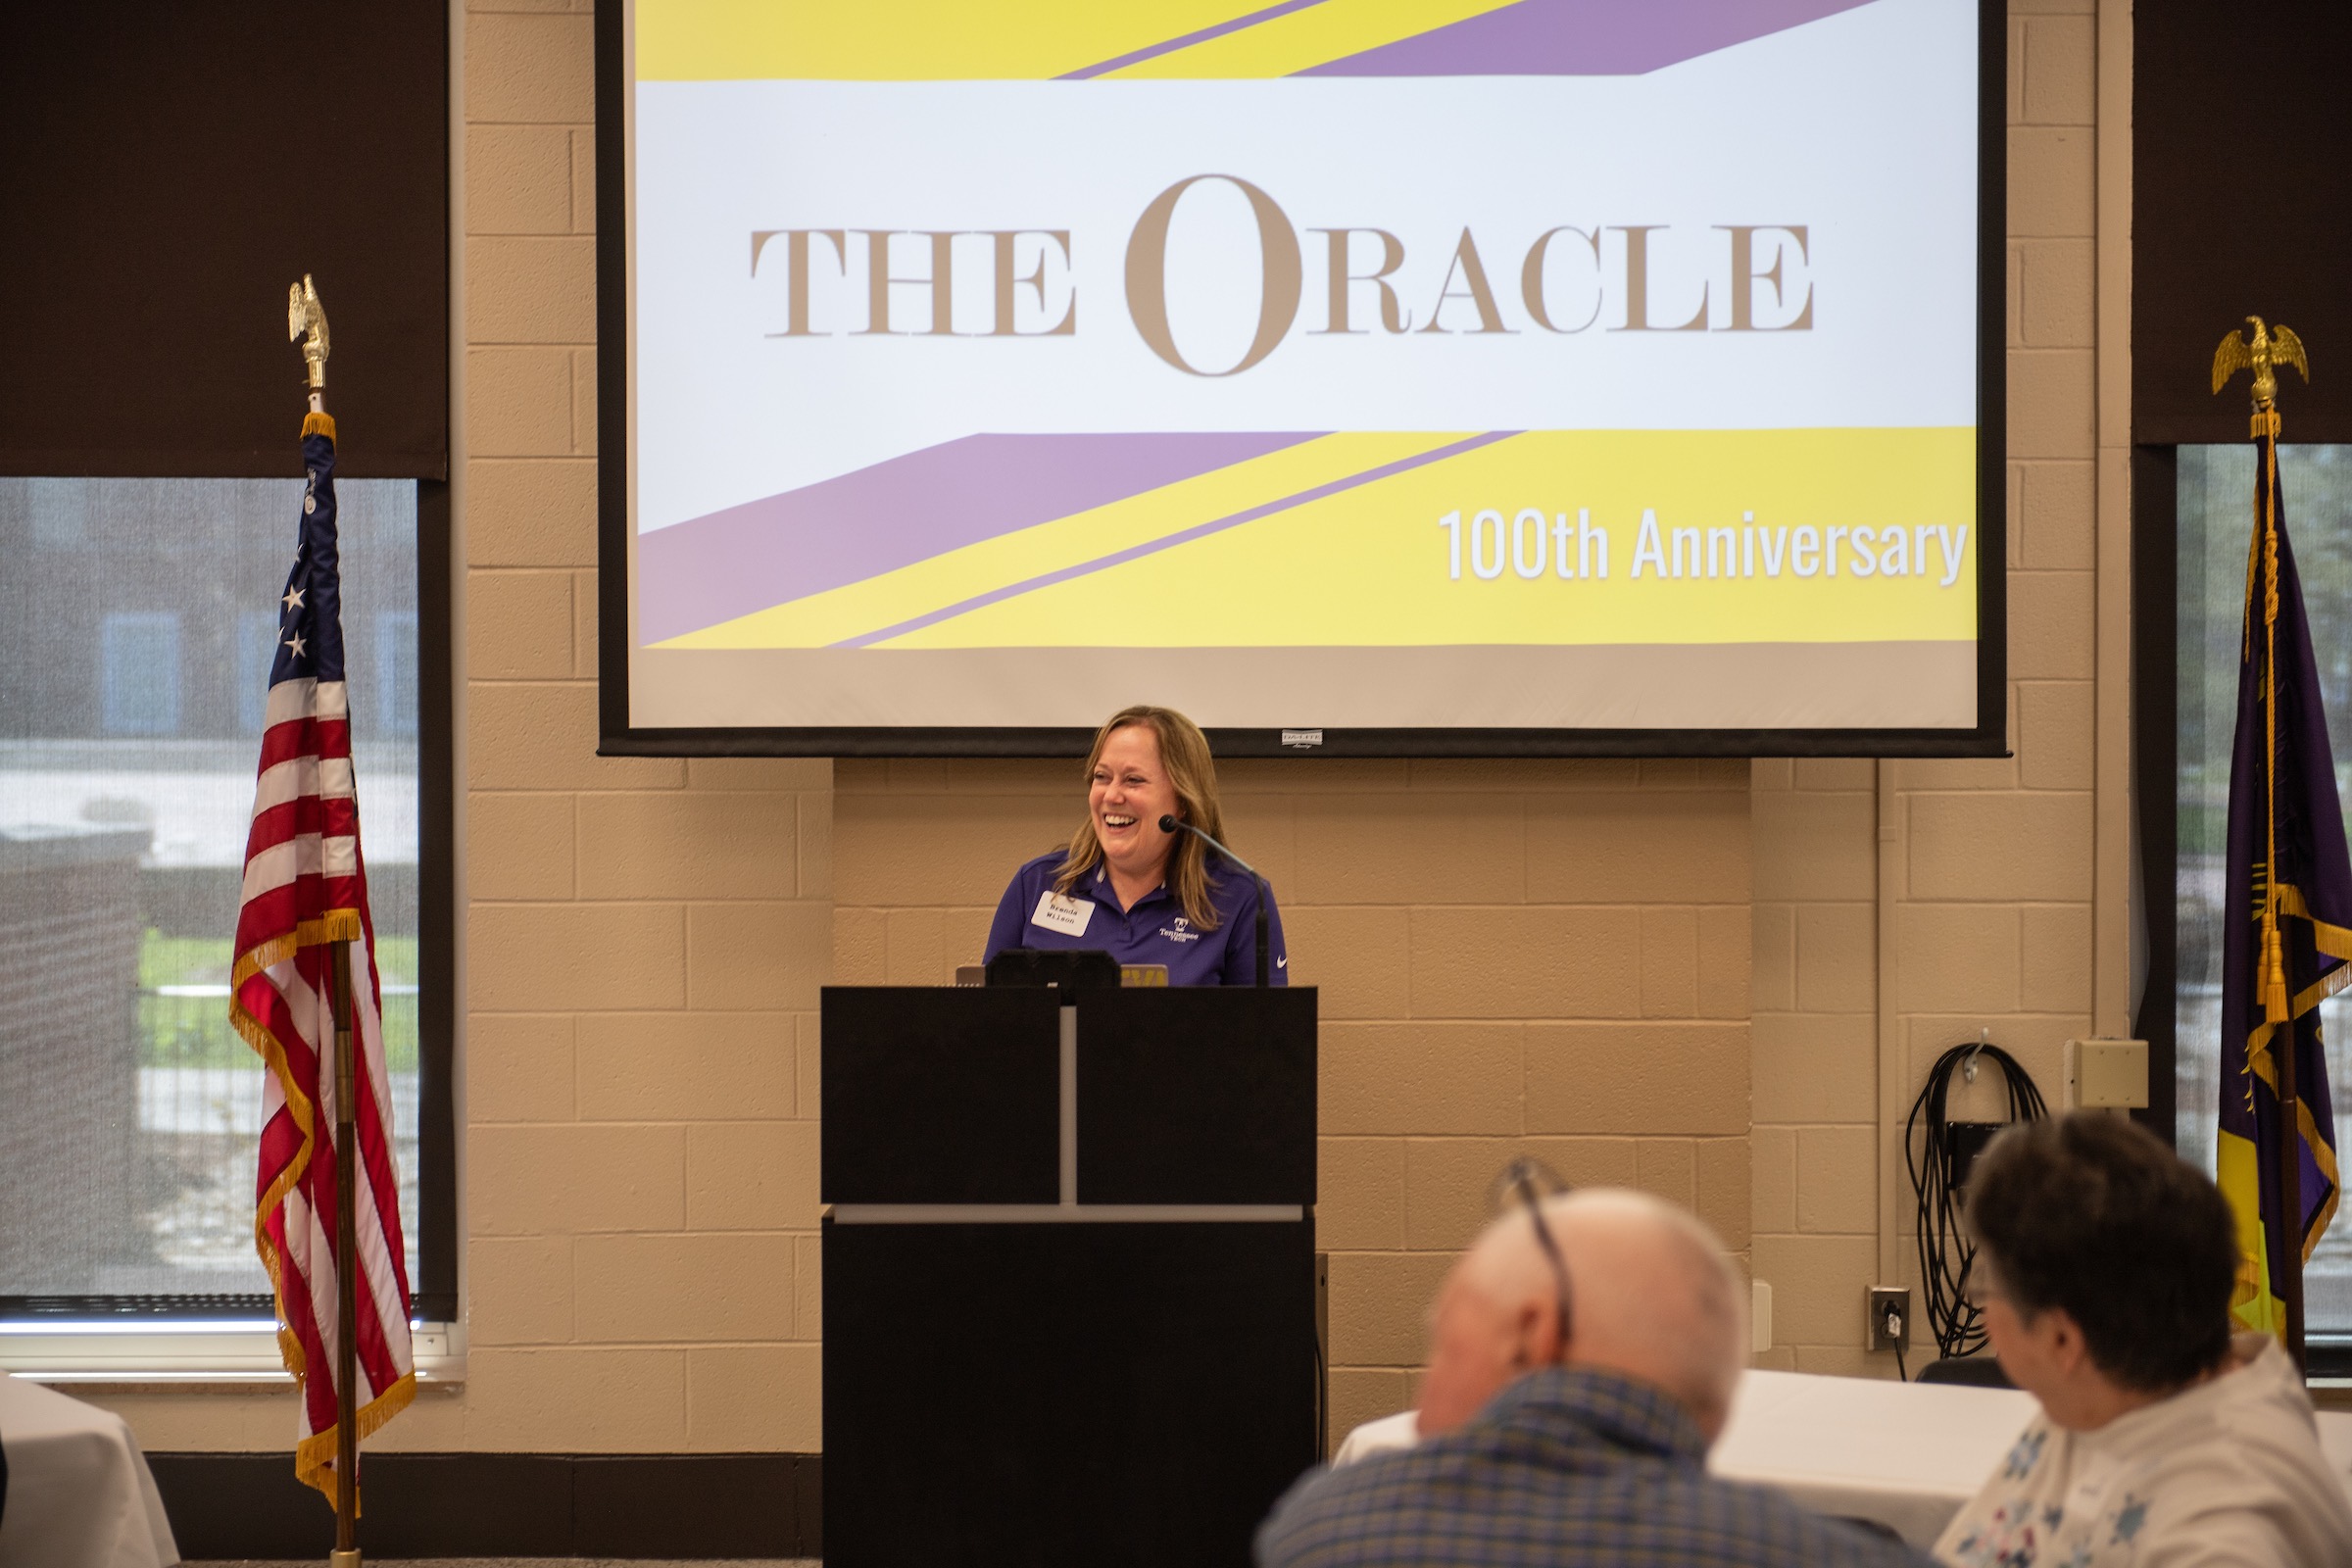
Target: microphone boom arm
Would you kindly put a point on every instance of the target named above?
(1265, 958)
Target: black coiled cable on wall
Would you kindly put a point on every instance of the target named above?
(1938, 1151)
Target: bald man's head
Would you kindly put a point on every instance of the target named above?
(1651, 1296)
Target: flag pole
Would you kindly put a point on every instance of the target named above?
(2266, 424)
(347, 1274)
(2291, 1188)
(2279, 985)
(296, 999)
(306, 319)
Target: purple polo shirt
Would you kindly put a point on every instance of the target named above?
(1154, 931)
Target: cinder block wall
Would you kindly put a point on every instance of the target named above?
(1992, 872)
(647, 936)
(1512, 955)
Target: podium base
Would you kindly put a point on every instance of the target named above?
(1074, 1393)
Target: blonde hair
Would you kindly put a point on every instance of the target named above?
(1193, 774)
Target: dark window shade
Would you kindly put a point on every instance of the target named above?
(171, 167)
(2240, 133)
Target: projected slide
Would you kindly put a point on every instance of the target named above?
(1382, 364)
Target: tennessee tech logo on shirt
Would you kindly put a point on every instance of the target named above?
(1181, 931)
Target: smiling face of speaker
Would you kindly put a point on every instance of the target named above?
(1128, 795)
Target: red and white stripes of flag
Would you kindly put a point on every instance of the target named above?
(305, 906)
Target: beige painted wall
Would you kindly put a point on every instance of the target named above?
(1901, 907)
(1716, 981)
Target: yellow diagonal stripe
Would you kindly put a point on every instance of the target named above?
(1368, 567)
(1001, 41)
(1315, 36)
(905, 41)
(858, 607)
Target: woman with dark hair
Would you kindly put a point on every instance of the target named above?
(1125, 886)
(2105, 1266)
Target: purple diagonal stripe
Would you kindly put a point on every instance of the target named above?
(896, 513)
(1152, 51)
(1201, 530)
(1581, 37)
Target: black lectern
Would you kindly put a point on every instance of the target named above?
(1068, 1273)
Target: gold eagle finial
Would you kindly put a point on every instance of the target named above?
(2267, 349)
(304, 313)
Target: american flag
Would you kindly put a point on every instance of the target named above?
(305, 891)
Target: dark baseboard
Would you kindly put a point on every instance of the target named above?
(679, 1505)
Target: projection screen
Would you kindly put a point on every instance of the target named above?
(1405, 376)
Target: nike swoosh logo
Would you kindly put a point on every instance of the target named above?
(1283, 962)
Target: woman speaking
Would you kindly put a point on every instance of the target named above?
(1126, 886)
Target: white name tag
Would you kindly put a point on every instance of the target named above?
(1056, 912)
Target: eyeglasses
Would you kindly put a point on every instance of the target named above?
(1979, 1284)
(1529, 1182)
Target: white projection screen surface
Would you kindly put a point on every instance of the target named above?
(1443, 377)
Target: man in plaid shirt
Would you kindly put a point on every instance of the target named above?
(1583, 1358)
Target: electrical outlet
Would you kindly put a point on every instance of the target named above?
(1890, 1302)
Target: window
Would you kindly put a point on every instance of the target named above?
(139, 681)
(396, 671)
(2214, 509)
(257, 649)
(129, 1113)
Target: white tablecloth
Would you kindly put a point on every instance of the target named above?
(79, 1494)
(1907, 1454)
